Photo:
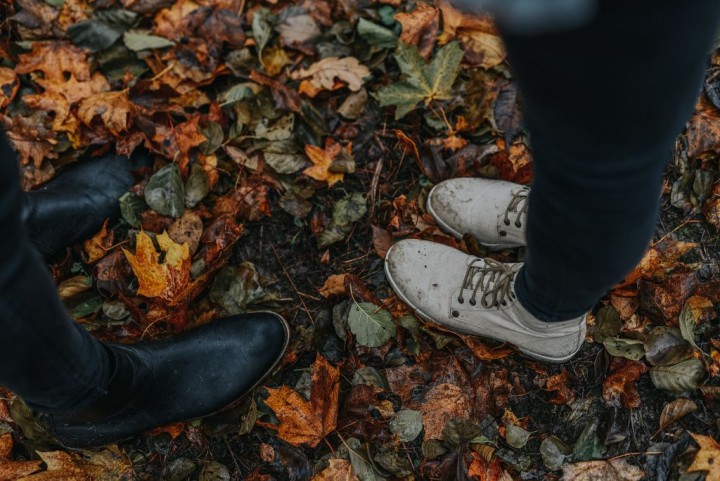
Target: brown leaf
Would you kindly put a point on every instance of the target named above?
(675, 410)
(708, 458)
(420, 27)
(477, 33)
(284, 97)
(334, 285)
(11, 470)
(558, 382)
(322, 74)
(9, 85)
(443, 403)
(620, 388)
(711, 209)
(486, 471)
(107, 465)
(114, 109)
(339, 470)
(703, 131)
(611, 470)
(484, 352)
(306, 423)
(382, 241)
(187, 229)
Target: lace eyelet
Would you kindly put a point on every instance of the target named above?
(503, 303)
(455, 314)
(503, 233)
(472, 302)
(461, 300)
(507, 222)
(518, 224)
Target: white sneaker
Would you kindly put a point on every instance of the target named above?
(476, 296)
(493, 211)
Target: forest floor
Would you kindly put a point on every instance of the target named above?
(293, 142)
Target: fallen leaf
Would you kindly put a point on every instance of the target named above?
(619, 388)
(322, 160)
(443, 403)
(109, 464)
(371, 325)
(338, 470)
(97, 246)
(11, 470)
(708, 458)
(559, 383)
(166, 279)
(9, 85)
(484, 470)
(322, 74)
(675, 410)
(420, 27)
(306, 423)
(484, 352)
(611, 470)
(334, 285)
(114, 109)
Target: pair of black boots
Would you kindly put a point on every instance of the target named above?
(152, 383)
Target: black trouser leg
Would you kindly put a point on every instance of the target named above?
(603, 105)
(45, 357)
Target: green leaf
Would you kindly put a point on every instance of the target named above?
(423, 82)
(362, 468)
(137, 41)
(444, 69)
(608, 324)
(688, 324)
(375, 34)
(627, 348)
(235, 287)
(371, 325)
(516, 436)
(131, 205)
(369, 376)
(588, 446)
(554, 452)
(197, 186)
(684, 376)
(262, 27)
(165, 192)
(87, 307)
(94, 35)
(215, 136)
(239, 92)
(349, 209)
(407, 425)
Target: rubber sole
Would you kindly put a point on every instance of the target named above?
(424, 317)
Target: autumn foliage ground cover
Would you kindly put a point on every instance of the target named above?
(293, 142)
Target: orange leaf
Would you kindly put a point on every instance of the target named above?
(620, 386)
(420, 27)
(97, 246)
(486, 471)
(9, 469)
(8, 86)
(322, 160)
(339, 470)
(334, 285)
(164, 279)
(114, 109)
(306, 423)
(443, 403)
(483, 352)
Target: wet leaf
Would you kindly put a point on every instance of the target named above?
(371, 325)
(407, 425)
(197, 186)
(338, 470)
(109, 464)
(137, 41)
(354, 105)
(324, 73)
(234, 288)
(113, 108)
(610, 470)
(11, 470)
(665, 345)
(306, 423)
(516, 436)
(684, 376)
(608, 324)
(131, 205)
(262, 27)
(554, 452)
(95, 34)
(97, 246)
(632, 349)
(708, 458)
(619, 388)
(9, 85)
(697, 309)
(163, 279)
(675, 410)
(443, 403)
(322, 160)
(214, 471)
(165, 192)
(375, 34)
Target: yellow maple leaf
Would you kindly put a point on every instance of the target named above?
(165, 279)
(708, 458)
(306, 423)
(322, 160)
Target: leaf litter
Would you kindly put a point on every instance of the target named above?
(293, 142)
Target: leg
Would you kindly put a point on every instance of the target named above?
(44, 356)
(603, 105)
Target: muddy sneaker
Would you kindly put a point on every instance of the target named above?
(476, 296)
(493, 211)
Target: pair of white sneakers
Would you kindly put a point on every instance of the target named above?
(475, 295)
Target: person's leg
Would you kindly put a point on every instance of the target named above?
(45, 357)
(603, 105)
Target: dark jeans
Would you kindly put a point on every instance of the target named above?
(603, 105)
(45, 357)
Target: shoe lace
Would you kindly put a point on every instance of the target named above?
(494, 281)
(518, 205)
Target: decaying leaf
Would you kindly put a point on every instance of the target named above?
(708, 458)
(109, 464)
(113, 108)
(610, 470)
(97, 246)
(443, 403)
(334, 285)
(338, 470)
(675, 410)
(306, 423)
(162, 279)
(322, 161)
(619, 388)
(323, 74)
(11, 470)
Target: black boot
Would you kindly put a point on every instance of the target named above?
(72, 206)
(189, 377)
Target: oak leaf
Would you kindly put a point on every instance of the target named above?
(708, 458)
(166, 279)
(322, 74)
(306, 423)
(11, 470)
(339, 470)
(322, 161)
(114, 109)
